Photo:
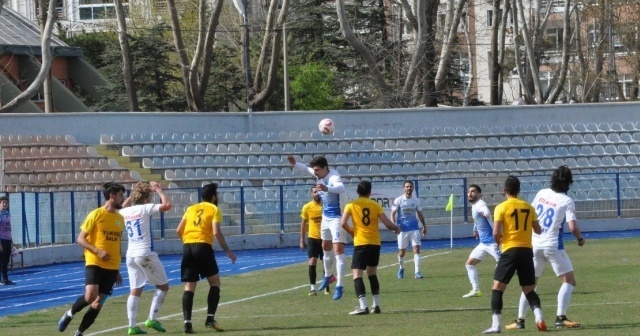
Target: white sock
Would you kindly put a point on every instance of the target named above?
(401, 262)
(327, 262)
(341, 266)
(472, 272)
(564, 297)
(538, 313)
(523, 306)
(69, 313)
(363, 302)
(495, 320)
(376, 300)
(132, 310)
(156, 303)
(416, 262)
(313, 287)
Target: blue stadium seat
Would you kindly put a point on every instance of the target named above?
(604, 127)
(580, 127)
(544, 128)
(532, 129)
(628, 126)
(592, 127)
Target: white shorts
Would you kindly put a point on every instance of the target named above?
(559, 260)
(482, 250)
(146, 269)
(409, 236)
(330, 229)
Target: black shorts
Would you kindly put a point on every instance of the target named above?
(198, 262)
(518, 259)
(104, 278)
(365, 256)
(314, 248)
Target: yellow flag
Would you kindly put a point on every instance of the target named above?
(450, 204)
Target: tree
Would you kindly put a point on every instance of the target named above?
(313, 88)
(127, 72)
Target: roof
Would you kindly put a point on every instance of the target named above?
(22, 37)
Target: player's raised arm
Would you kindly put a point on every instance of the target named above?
(165, 202)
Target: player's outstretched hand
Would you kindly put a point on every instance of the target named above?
(291, 160)
(232, 256)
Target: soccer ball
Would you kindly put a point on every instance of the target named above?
(326, 126)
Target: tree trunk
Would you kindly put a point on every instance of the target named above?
(46, 84)
(530, 52)
(127, 68)
(564, 66)
(494, 67)
(451, 32)
(430, 67)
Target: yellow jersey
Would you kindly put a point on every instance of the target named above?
(104, 231)
(312, 213)
(517, 218)
(364, 213)
(199, 219)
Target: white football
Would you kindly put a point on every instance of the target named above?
(326, 126)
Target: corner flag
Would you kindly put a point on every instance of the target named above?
(450, 204)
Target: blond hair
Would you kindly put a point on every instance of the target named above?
(141, 193)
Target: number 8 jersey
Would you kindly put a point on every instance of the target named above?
(554, 210)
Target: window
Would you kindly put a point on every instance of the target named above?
(546, 80)
(100, 9)
(489, 17)
(554, 38)
(628, 86)
(60, 10)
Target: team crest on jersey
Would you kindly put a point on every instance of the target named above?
(119, 223)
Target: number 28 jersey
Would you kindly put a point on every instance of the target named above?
(137, 219)
(199, 219)
(364, 213)
(517, 218)
(553, 210)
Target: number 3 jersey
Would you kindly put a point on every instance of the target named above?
(199, 219)
(364, 213)
(554, 210)
(137, 219)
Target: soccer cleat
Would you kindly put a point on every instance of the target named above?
(418, 276)
(188, 328)
(376, 309)
(327, 291)
(517, 324)
(360, 311)
(492, 330)
(473, 293)
(337, 294)
(563, 322)
(211, 323)
(541, 326)
(155, 324)
(326, 281)
(64, 322)
(77, 333)
(401, 273)
(313, 292)
(136, 331)
(8, 282)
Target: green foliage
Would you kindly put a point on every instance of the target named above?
(226, 89)
(313, 88)
(94, 45)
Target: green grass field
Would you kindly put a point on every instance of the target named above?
(275, 302)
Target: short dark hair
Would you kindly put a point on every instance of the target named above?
(477, 187)
(111, 188)
(561, 179)
(318, 161)
(364, 188)
(512, 185)
(407, 181)
(4, 198)
(208, 191)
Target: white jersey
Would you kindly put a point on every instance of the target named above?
(482, 221)
(553, 210)
(330, 198)
(406, 212)
(138, 225)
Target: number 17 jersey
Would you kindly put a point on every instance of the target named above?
(517, 218)
(364, 213)
(553, 210)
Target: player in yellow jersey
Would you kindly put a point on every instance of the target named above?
(100, 235)
(514, 222)
(199, 225)
(311, 215)
(365, 214)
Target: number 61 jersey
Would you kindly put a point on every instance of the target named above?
(554, 210)
(137, 220)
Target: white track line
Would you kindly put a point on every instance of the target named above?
(249, 298)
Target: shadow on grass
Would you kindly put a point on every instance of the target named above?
(436, 310)
(612, 326)
(302, 327)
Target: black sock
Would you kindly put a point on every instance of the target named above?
(534, 300)
(88, 319)
(312, 274)
(375, 285)
(212, 300)
(358, 284)
(187, 305)
(79, 304)
(496, 301)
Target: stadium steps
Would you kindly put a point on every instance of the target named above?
(126, 162)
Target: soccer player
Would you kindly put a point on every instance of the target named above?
(366, 244)
(143, 264)
(554, 208)
(199, 225)
(100, 235)
(482, 230)
(405, 208)
(311, 215)
(329, 186)
(6, 241)
(513, 221)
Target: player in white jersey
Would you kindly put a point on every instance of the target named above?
(403, 213)
(554, 209)
(143, 263)
(482, 230)
(330, 187)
